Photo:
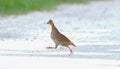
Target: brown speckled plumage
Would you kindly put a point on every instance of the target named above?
(58, 38)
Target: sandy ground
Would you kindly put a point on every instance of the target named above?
(93, 27)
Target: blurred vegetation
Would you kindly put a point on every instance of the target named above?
(24, 6)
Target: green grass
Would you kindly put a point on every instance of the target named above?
(24, 6)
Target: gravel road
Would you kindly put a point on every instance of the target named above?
(80, 22)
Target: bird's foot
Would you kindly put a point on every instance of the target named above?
(50, 47)
(70, 53)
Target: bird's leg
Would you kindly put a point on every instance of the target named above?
(71, 52)
(56, 45)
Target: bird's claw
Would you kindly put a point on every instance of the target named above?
(50, 47)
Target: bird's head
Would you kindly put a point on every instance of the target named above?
(50, 22)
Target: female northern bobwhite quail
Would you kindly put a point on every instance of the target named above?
(58, 38)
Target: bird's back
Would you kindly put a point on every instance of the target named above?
(60, 38)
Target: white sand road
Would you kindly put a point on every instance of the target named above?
(94, 28)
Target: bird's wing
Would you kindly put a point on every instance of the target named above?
(63, 38)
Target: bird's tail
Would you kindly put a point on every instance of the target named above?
(73, 44)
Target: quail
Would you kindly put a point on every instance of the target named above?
(58, 38)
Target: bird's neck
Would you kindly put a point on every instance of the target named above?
(52, 25)
(54, 29)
